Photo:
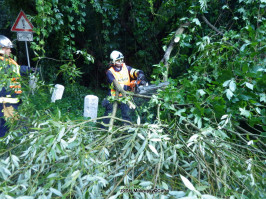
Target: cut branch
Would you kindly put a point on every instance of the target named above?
(169, 49)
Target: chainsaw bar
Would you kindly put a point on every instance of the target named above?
(150, 89)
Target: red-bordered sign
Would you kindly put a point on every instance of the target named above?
(22, 24)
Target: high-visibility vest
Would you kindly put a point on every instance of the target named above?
(14, 84)
(122, 77)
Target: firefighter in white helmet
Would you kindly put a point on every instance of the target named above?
(123, 74)
(10, 88)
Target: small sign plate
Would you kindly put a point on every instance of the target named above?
(25, 36)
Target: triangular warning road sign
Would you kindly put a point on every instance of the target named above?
(22, 23)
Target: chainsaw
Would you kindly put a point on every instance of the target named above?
(138, 87)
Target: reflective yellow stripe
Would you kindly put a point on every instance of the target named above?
(8, 100)
(134, 73)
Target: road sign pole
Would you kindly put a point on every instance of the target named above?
(27, 53)
(24, 30)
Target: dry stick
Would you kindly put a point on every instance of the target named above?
(158, 113)
(114, 112)
(169, 49)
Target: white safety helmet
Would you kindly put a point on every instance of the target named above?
(5, 42)
(115, 56)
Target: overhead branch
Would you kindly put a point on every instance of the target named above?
(170, 47)
(216, 29)
(210, 25)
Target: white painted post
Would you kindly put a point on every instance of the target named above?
(33, 83)
(58, 92)
(91, 106)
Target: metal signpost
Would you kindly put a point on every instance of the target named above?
(24, 30)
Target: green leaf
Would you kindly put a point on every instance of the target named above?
(229, 94)
(226, 83)
(52, 175)
(55, 191)
(187, 183)
(180, 111)
(141, 136)
(145, 183)
(225, 7)
(232, 85)
(61, 134)
(75, 175)
(245, 112)
(249, 85)
(196, 21)
(138, 120)
(244, 46)
(15, 160)
(177, 194)
(153, 149)
(202, 187)
(164, 185)
(263, 97)
(201, 92)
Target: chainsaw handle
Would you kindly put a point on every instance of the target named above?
(127, 88)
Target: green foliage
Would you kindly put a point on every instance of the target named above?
(57, 25)
(72, 159)
(6, 73)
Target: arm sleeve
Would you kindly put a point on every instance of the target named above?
(24, 70)
(110, 77)
(134, 72)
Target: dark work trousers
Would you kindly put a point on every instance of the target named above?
(125, 110)
(3, 126)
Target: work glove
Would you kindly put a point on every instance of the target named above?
(141, 78)
(127, 88)
(25, 70)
